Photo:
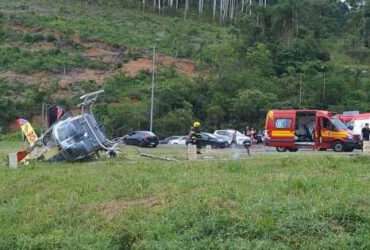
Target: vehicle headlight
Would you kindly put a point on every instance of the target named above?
(350, 137)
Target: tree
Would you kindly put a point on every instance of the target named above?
(251, 105)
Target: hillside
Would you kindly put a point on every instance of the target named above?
(60, 51)
(227, 75)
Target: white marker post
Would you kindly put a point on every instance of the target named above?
(12, 160)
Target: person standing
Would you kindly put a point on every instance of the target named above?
(247, 131)
(247, 145)
(366, 132)
(253, 135)
(195, 136)
(234, 138)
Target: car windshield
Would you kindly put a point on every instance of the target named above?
(239, 134)
(338, 124)
(230, 133)
(223, 133)
(147, 133)
(210, 135)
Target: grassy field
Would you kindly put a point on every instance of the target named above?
(285, 201)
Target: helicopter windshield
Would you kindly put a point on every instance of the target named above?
(66, 131)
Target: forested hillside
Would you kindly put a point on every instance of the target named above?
(225, 62)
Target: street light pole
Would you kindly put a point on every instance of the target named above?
(152, 94)
(324, 88)
(300, 90)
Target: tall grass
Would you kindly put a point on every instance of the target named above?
(272, 202)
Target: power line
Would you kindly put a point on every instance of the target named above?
(152, 94)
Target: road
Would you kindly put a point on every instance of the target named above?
(256, 149)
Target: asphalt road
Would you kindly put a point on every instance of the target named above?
(258, 149)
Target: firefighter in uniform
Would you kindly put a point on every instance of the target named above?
(195, 136)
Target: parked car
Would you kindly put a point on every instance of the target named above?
(229, 134)
(222, 137)
(141, 138)
(168, 139)
(181, 140)
(211, 140)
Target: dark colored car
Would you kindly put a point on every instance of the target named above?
(142, 139)
(209, 139)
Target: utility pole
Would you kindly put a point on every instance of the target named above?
(300, 91)
(324, 88)
(42, 117)
(152, 95)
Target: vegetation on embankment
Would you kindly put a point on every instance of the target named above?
(288, 54)
(279, 202)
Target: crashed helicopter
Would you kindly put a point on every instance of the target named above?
(68, 138)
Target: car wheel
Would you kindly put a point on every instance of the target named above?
(281, 149)
(338, 146)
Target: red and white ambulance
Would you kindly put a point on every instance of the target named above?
(292, 129)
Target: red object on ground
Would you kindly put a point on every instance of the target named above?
(21, 155)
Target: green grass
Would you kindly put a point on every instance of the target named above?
(286, 201)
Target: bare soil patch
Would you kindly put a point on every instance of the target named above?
(93, 50)
(39, 78)
(103, 55)
(133, 68)
(42, 46)
(74, 76)
(99, 50)
(182, 66)
(113, 208)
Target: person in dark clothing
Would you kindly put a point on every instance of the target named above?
(234, 139)
(366, 132)
(247, 131)
(55, 113)
(247, 145)
(195, 136)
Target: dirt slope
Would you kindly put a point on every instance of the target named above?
(116, 59)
